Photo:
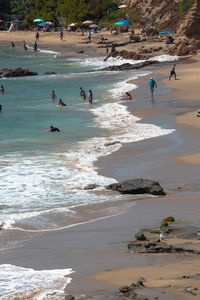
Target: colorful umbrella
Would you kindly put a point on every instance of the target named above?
(49, 23)
(87, 22)
(123, 6)
(124, 22)
(167, 31)
(1, 21)
(43, 24)
(38, 20)
(72, 24)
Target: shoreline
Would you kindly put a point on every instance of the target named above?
(123, 157)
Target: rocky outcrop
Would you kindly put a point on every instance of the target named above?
(140, 236)
(184, 47)
(137, 186)
(129, 55)
(9, 73)
(158, 247)
(190, 24)
(128, 66)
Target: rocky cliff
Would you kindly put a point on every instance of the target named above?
(165, 15)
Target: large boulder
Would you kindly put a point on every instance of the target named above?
(19, 72)
(137, 186)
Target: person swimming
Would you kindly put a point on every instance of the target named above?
(54, 129)
(61, 103)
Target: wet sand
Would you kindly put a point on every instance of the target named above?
(101, 246)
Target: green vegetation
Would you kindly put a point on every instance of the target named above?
(4, 6)
(185, 5)
(20, 7)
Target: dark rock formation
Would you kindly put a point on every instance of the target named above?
(91, 187)
(128, 55)
(9, 73)
(69, 297)
(140, 236)
(168, 220)
(158, 247)
(137, 186)
(50, 73)
(128, 66)
(184, 47)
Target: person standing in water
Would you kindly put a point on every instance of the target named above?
(61, 35)
(25, 46)
(12, 45)
(35, 46)
(53, 95)
(2, 89)
(61, 103)
(152, 84)
(173, 72)
(90, 96)
(37, 36)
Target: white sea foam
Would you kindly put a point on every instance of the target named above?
(23, 283)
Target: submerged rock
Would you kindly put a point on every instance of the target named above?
(137, 186)
(128, 66)
(9, 73)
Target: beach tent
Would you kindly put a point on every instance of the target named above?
(124, 22)
(167, 31)
(38, 20)
(87, 22)
(123, 6)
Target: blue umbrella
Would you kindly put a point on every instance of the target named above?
(17, 21)
(38, 20)
(167, 31)
(124, 22)
(43, 24)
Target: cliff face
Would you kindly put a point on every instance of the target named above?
(165, 15)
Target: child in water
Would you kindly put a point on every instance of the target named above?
(61, 103)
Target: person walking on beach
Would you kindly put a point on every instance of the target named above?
(61, 35)
(173, 72)
(37, 36)
(89, 36)
(152, 84)
(35, 46)
(2, 89)
(90, 96)
(53, 96)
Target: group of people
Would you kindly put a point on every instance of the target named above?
(83, 95)
(54, 98)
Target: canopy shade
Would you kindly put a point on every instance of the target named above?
(38, 20)
(167, 31)
(124, 22)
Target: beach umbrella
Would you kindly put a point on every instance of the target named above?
(167, 31)
(38, 20)
(43, 24)
(123, 6)
(17, 21)
(87, 22)
(72, 24)
(124, 22)
(94, 26)
(1, 21)
(49, 23)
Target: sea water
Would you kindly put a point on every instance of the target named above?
(43, 175)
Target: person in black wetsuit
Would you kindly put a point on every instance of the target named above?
(54, 129)
(61, 103)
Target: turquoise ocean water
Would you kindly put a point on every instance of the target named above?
(43, 174)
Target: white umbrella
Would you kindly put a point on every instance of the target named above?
(94, 26)
(123, 6)
(87, 22)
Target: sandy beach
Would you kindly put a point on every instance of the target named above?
(97, 251)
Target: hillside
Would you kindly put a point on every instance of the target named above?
(180, 15)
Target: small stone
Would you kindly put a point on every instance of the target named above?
(140, 236)
(69, 297)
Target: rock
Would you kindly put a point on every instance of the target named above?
(124, 289)
(190, 290)
(9, 73)
(168, 220)
(140, 236)
(140, 282)
(137, 186)
(184, 47)
(80, 51)
(69, 297)
(50, 73)
(91, 187)
(135, 38)
(111, 144)
(127, 66)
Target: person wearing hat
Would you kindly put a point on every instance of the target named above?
(152, 84)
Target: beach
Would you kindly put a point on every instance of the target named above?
(97, 250)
